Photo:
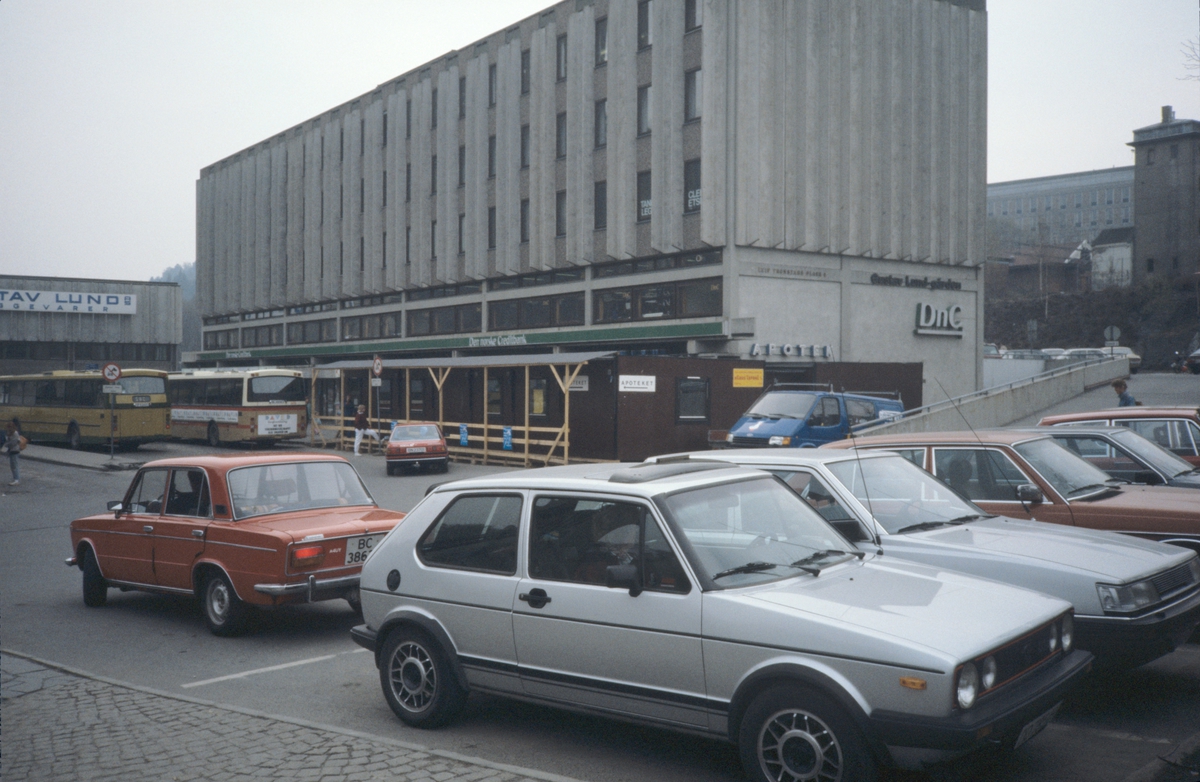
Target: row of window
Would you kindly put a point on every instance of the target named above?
(673, 300)
(84, 351)
(1035, 204)
(1080, 219)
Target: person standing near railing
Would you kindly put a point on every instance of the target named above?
(361, 427)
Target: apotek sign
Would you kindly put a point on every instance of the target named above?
(939, 322)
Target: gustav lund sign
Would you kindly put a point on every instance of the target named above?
(935, 322)
(64, 301)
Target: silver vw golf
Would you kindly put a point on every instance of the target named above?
(708, 599)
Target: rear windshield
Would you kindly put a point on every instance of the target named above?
(416, 432)
(277, 488)
(785, 404)
(277, 389)
(143, 384)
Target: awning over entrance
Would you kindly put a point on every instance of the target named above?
(473, 362)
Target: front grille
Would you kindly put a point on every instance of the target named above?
(750, 442)
(1173, 580)
(1026, 653)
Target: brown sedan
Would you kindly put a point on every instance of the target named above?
(234, 531)
(1028, 476)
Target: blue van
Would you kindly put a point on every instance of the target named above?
(800, 417)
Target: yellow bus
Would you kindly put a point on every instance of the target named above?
(71, 407)
(238, 405)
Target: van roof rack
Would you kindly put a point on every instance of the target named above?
(803, 386)
(644, 473)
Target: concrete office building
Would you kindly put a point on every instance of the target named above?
(1167, 181)
(1065, 209)
(49, 323)
(793, 180)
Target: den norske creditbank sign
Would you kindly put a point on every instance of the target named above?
(66, 301)
(932, 320)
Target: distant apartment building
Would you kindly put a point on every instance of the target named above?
(1167, 185)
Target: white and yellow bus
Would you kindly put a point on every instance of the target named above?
(238, 405)
(71, 407)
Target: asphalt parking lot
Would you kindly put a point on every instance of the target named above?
(298, 682)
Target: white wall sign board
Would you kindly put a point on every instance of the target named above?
(197, 415)
(65, 301)
(637, 383)
(277, 423)
(580, 383)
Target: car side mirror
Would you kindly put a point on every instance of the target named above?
(1028, 492)
(1148, 477)
(623, 577)
(116, 507)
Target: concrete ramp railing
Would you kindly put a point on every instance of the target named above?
(1000, 406)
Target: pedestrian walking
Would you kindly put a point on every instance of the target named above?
(362, 427)
(1125, 398)
(12, 444)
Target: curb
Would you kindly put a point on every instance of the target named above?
(441, 753)
(110, 466)
(1165, 764)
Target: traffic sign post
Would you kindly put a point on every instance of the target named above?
(376, 382)
(112, 373)
(1111, 335)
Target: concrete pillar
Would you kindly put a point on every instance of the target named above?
(714, 140)
(542, 118)
(508, 163)
(475, 139)
(445, 144)
(666, 142)
(581, 117)
(622, 128)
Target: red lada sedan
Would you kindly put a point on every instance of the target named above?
(416, 445)
(234, 531)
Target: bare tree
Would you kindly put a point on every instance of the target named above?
(1191, 60)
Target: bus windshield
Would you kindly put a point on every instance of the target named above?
(276, 388)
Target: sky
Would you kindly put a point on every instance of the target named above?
(110, 108)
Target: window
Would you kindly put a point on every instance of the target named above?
(476, 532)
(643, 196)
(492, 84)
(462, 166)
(146, 495)
(643, 110)
(537, 396)
(645, 33)
(384, 142)
(691, 186)
(1125, 195)
(691, 400)
(408, 118)
(692, 95)
(560, 64)
(524, 220)
(1095, 197)
(433, 239)
(385, 188)
(600, 204)
(560, 135)
(407, 246)
(433, 108)
(979, 474)
(462, 224)
(578, 539)
(463, 319)
(693, 15)
(859, 411)
(601, 42)
(560, 213)
(408, 182)
(491, 227)
(494, 396)
(524, 146)
(524, 71)
(491, 157)
(600, 125)
(462, 97)
(538, 312)
(1149, 265)
(1179, 436)
(690, 299)
(433, 175)
(699, 298)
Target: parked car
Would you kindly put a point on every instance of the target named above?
(880, 500)
(1192, 362)
(1125, 455)
(417, 446)
(799, 417)
(709, 599)
(1027, 476)
(1135, 361)
(234, 531)
(1174, 428)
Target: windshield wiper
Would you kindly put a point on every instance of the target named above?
(924, 525)
(749, 567)
(804, 564)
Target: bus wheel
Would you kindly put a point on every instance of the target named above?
(214, 434)
(73, 437)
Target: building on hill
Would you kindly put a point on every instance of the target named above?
(1167, 184)
(1112, 258)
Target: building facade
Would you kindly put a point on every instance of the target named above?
(1065, 209)
(49, 323)
(793, 180)
(1167, 181)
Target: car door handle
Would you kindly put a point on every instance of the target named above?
(197, 533)
(535, 597)
(147, 528)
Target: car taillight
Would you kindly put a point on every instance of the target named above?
(309, 556)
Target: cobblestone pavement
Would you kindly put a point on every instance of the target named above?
(68, 725)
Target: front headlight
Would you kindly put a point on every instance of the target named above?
(1053, 639)
(1123, 599)
(1068, 633)
(968, 685)
(1194, 566)
(777, 440)
(729, 437)
(988, 679)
